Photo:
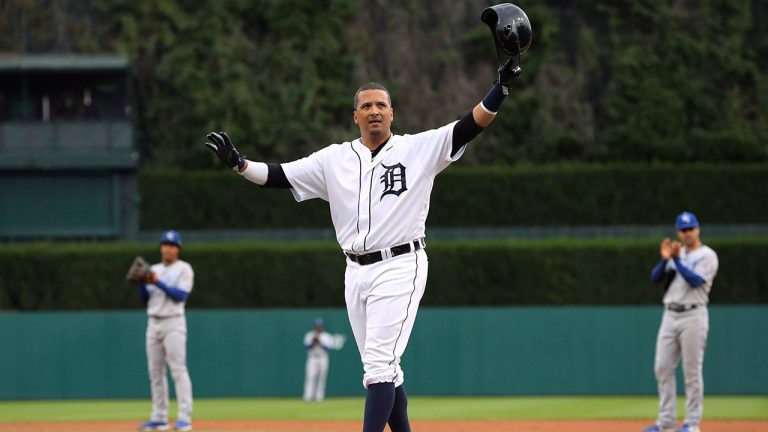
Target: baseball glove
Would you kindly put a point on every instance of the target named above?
(139, 271)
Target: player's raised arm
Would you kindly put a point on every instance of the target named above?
(512, 35)
(484, 112)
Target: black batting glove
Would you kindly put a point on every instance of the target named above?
(509, 71)
(225, 150)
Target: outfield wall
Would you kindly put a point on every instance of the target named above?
(453, 351)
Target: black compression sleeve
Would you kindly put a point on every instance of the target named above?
(463, 132)
(276, 177)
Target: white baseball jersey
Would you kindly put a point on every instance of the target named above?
(316, 368)
(378, 202)
(178, 275)
(326, 343)
(703, 261)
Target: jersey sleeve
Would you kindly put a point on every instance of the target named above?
(707, 267)
(307, 176)
(308, 339)
(186, 279)
(327, 341)
(436, 146)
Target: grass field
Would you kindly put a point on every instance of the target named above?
(421, 408)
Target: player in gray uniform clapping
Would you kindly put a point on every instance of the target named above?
(689, 268)
(165, 293)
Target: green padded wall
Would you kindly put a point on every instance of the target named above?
(453, 351)
(53, 203)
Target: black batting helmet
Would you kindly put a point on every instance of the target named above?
(510, 27)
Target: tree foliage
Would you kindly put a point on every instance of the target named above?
(270, 72)
(605, 80)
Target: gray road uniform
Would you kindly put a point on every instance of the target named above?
(683, 331)
(167, 337)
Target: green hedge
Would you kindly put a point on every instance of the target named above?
(552, 272)
(480, 197)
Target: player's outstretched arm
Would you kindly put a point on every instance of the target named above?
(263, 174)
(512, 36)
(484, 112)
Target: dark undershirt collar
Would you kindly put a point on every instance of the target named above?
(376, 151)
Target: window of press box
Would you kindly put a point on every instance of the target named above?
(64, 97)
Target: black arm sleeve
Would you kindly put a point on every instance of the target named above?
(463, 132)
(276, 177)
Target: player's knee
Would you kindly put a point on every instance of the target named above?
(693, 377)
(178, 370)
(693, 383)
(156, 370)
(663, 370)
(380, 368)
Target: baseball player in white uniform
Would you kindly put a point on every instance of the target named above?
(170, 286)
(317, 342)
(378, 189)
(689, 268)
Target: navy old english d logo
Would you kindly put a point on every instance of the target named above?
(393, 179)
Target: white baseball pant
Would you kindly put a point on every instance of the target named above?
(382, 301)
(316, 373)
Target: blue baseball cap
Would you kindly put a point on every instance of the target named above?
(686, 220)
(171, 237)
(318, 321)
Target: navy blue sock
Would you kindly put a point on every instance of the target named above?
(378, 406)
(398, 420)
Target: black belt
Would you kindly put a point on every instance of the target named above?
(677, 307)
(374, 257)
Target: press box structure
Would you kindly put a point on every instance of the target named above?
(68, 155)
